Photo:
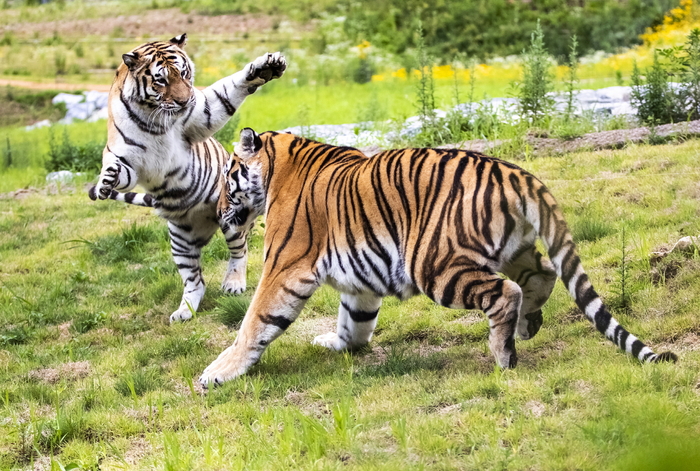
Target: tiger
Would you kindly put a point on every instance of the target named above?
(160, 131)
(444, 223)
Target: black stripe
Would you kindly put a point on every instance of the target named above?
(623, 339)
(278, 321)
(230, 109)
(360, 316)
(295, 293)
(637, 347)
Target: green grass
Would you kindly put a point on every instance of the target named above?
(93, 282)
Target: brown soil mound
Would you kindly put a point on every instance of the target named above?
(162, 24)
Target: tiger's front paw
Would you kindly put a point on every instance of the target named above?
(331, 340)
(106, 182)
(233, 286)
(181, 315)
(234, 281)
(263, 69)
(224, 368)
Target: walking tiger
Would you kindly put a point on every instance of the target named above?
(440, 222)
(160, 131)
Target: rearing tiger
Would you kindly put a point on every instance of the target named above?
(432, 221)
(160, 131)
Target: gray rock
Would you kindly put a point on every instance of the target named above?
(62, 176)
(39, 124)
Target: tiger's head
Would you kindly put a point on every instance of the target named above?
(243, 198)
(159, 76)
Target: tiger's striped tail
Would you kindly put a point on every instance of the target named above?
(561, 249)
(138, 199)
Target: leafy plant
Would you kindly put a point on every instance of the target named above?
(683, 65)
(537, 80)
(88, 321)
(653, 99)
(231, 309)
(430, 133)
(138, 383)
(571, 78)
(65, 155)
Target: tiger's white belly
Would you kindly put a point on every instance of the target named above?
(367, 272)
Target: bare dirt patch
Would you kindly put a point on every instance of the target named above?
(593, 141)
(71, 371)
(162, 24)
(307, 329)
(689, 342)
(20, 194)
(138, 449)
(535, 408)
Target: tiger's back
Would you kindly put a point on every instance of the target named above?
(441, 222)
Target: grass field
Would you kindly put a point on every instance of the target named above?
(92, 375)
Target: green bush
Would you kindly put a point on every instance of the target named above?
(537, 80)
(486, 28)
(683, 66)
(65, 155)
(659, 103)
(654, 99)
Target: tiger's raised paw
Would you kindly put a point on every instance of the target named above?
(263, 69)
(106, 182)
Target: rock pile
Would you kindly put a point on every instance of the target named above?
(612, 101)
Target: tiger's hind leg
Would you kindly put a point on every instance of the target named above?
(186, 246)
(357, 318)
(472, 288)
(536, 277)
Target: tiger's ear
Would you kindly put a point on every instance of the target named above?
(249, 144)
(179, 41)
(131, 59)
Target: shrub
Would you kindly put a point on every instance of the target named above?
(65, 155)
(571, 78)
(683, 66)
(653, 99)
(361, 70)
(500, 27)
(432, 129)
(537, 79)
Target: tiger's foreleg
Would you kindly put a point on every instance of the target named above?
(116, 174)
(357, 318)
(217, 103)
(276, 304)
(237, 242)
(186, 247)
